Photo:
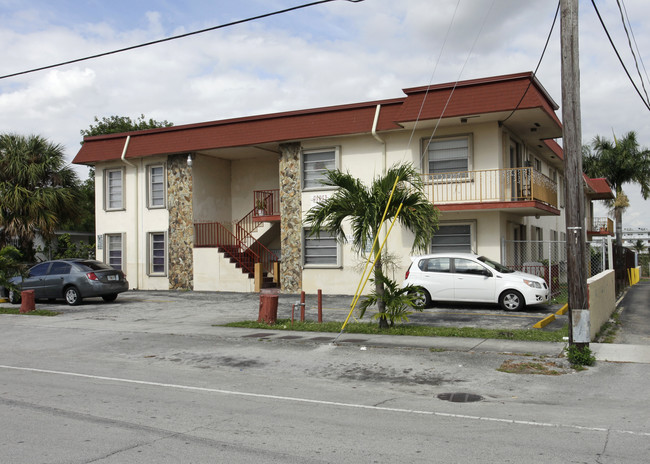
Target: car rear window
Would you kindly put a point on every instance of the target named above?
(93, 266)
(60, 268)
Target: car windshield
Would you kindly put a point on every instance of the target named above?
(494, 265)
(93, 266)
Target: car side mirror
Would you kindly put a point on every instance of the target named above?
(487, 273)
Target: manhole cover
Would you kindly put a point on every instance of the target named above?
(460, 397)
(258, 335)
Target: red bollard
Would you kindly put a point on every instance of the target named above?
(320, 305)
(302, 306)
(28, 302)
(268, 311)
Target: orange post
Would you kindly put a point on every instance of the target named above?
(28, 303)
(320, 305)
(302, 306)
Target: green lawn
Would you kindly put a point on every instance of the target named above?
(37, 312)
(415, 330)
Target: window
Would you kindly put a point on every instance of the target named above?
(320, 250)
(114, 252)
(39, 270)
(114, 189)
(157, 254)
(465, 266)
(315, 164)
(435, 265)
(449, 155)
(156, 193)
(60, 268)
(537, 164)
(456, 237)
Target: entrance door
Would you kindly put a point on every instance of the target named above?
(516, 162)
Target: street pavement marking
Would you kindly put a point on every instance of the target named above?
(328, 403)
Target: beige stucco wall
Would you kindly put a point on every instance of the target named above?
(602, 300)
(260, 173)
(212, 183)
(135, 221)
(213, 272)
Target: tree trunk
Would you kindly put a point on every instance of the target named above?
(618, 216)
(379, 289)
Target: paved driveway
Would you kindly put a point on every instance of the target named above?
(223, 307)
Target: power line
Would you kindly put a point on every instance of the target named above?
(180, 36)
(647, 105)
(629, 42)
(548, 38)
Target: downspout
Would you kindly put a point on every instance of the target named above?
(379, 139)
(137, 212)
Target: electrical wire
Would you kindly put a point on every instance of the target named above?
(167, 39)
(548, 38)
(635, 44)
(629, 42)
(647, 105)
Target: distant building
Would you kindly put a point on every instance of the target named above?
(632, 234)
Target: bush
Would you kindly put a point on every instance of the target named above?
(580, 356)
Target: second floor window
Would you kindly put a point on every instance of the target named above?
(315, 164)
(156, 186)
(449, 155)
(114, 192)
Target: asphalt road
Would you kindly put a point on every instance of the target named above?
(149, 381)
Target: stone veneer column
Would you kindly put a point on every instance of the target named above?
(291, 218)
(181, 223)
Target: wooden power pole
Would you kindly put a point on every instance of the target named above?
(575, 203)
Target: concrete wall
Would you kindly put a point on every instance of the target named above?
(602, 300)
(213, 272)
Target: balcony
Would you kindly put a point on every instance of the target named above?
(601, 226)
(520, 190)
(266, 205)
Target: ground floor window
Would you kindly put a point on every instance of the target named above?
(320, 250)
(157, 254)
(114, 250)
(453, 238)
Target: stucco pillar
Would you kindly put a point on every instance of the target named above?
(291, 218)
(181, 225)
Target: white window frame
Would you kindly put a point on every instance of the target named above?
(108, 248)
(306, 239)
(107, 189)
(426, 151)
(303, 165)
(150, 255)
(472, 233)
(150, 184)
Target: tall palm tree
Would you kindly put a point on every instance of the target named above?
(621, 162)
(37, 189)
(363, 207)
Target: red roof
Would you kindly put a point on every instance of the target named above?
(494, 94)
(601, 188)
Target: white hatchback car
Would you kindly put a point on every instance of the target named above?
(467, 277)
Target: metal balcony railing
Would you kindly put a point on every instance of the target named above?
(491, 185)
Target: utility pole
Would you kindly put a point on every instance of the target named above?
(575, 203)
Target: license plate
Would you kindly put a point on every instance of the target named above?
(112, 277)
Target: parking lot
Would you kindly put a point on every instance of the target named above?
(210, 308)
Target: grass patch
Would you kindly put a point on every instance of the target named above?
(607, 333)
(37, 312)
(413, 330)
(531, 367)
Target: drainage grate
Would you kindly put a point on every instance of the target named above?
(460, 397)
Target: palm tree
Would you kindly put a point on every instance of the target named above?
(363, 207)
(621, 162)
(639, 246)
(37, 189)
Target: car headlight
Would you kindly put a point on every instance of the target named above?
(532, 283)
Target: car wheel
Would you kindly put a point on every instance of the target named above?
(14, 297)
(72, 296)
(109, 298)
(422, 298)
(512, 300)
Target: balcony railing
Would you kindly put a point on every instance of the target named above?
(266, 203)
(602, 225)
(492, 185)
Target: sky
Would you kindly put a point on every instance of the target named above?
(328, 54)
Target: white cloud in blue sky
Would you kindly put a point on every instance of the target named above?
(339, 52)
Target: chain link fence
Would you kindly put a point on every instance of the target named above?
(548, 259)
